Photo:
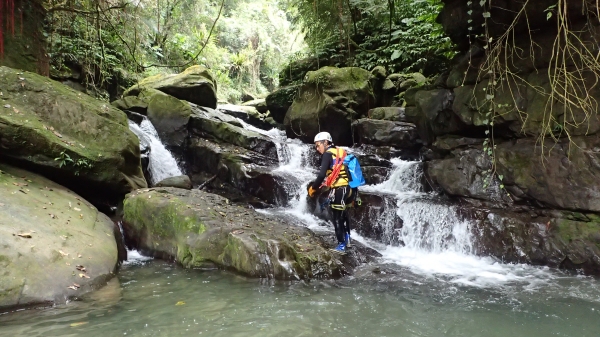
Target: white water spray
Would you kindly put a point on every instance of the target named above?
(162, 164)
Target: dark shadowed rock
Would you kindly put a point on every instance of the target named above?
(386, 133)
(279, 101)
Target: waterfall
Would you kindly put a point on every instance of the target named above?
(428, 224)
(161, 164)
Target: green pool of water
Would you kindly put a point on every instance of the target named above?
(160, 299)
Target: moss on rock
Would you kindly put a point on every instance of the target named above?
(45, 232)
(67, 134)
(196, 228)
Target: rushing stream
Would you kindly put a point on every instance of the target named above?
(433, 285)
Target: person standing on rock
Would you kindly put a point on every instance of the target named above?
(333, 174)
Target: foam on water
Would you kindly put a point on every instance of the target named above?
(438, 243)
(134, 257)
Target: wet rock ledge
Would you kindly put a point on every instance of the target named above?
(200, 230)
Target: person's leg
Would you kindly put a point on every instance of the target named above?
(338, 208)
(338, 224)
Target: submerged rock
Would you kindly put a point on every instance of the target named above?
(68, 136)
(198, 229)
(53, 244)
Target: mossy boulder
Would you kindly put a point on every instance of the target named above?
(259, 104)
(197, 229)
(46, 231)
(294, 72)
(386, 133)
(214, 125)
(279, 101)
(248, 114)
(195, 85)
(330, 99)
(131, 103)
(169, 115)
(178, 182)
(68, 136)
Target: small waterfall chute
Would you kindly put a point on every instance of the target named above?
(161, 164)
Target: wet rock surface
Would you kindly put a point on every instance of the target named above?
(196, 228)
(67, 136)
(54, 246)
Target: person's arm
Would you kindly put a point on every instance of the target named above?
(325, 165)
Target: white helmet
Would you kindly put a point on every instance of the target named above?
(323, 136)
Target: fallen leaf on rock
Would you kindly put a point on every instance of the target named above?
(76, 285)
(25, 235)
(53, 216)
(63, 253)
(239, 231)
(80, 267)
(83, 275)
(79, 255)
(180, 303)
(77, 209)
(72, 287)
(57, 134)
(78, 324)
(223, 214)
(80, 216)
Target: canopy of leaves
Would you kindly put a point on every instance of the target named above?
(244, 43)
(401, 35)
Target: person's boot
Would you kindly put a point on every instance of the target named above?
(347, 240)
(341, 248)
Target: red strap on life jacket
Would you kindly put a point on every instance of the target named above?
(337, 167)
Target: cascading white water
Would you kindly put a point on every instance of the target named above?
(161, 165)
(437, 242)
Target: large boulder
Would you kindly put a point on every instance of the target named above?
(279, 101)
(566, 240)
(259, 104)
(199, 229)
(169, 116)
(245, 170)
(248, 114)
(294, 72)
(177, 181)
(386, 133)
(563, 176)
(53, 244)
(68, 136)
(330, 99)
(216, 126)
(195, 85)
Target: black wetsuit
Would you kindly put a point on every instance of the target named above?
(341, 196)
